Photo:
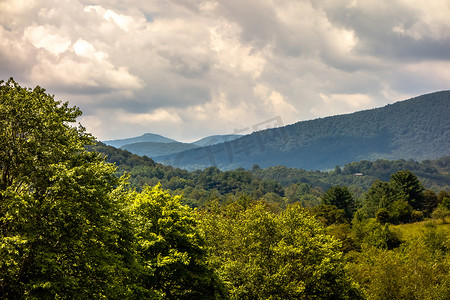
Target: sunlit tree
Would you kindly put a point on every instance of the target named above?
(62, 232)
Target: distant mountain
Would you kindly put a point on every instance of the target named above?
(434, 174)
(418, 128)
(148, 137)
(151, 149)
(154, 145)
(216, 139)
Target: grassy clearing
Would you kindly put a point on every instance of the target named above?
(412, 231)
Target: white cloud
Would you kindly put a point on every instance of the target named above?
(156, 117)
(188, 68)
(85, 49)
(122, 21)
(275, 101)
(232, 56)
(342, 103)
(42, 37)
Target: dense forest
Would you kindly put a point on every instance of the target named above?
(73, 227)
(278, 184)
(417, 128)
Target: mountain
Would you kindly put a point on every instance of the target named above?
(151, 149)
(154, 145)
(148, 137)
(216, 139)
(418, 128)
(434, 174)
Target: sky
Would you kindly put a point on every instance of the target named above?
(187, 69)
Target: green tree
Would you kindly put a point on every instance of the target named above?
(63, 230)
(263, 255)
(328, 214)
(430, 201)
(379, 195)
(406, 185)
(409, 272)
(368, 232)
(442, 211)
(383, 215)
(170, 250)
(340, 197)
(400, 211)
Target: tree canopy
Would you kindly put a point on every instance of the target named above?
(61, 233)
(70, 228)
(264, 255)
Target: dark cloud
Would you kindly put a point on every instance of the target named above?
(189, 68)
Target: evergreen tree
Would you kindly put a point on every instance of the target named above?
(340, 197)
(406, 185)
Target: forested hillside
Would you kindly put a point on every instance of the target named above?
(417, 128)
(145, 138)
(154, 145)
(152, 149)
(72, 227)
(278, 183)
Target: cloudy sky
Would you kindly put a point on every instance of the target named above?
(191, 68)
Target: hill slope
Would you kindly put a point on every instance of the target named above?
(434, 174)
(418, 128)
(151, 149)
(148, 137)
(216, 139)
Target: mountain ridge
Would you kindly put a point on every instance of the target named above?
(146, 137)
(152, 149)
(216, 139)
(417, 128)
(155, 145)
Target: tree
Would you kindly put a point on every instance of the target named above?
(170, 250)
(406, 185)
(383, 215)
(328, 214)
(409, 272)
(442, 211)
(263, 255)
(379, 195)
(400, 211)
(340, 197)
(430, 201)
(63, 230)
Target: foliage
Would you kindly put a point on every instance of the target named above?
(406, 185)
(412, 272)
(61, 232)
(328, 214)
(70, 228)
(441, 212)
(418, 269)
(432, 173)
(368, 232)
(383, 215)
(400, 200)
(292, 185)
(431, 201)
(263, 255)
(340, 197)
(170, 251)
(379, 196)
